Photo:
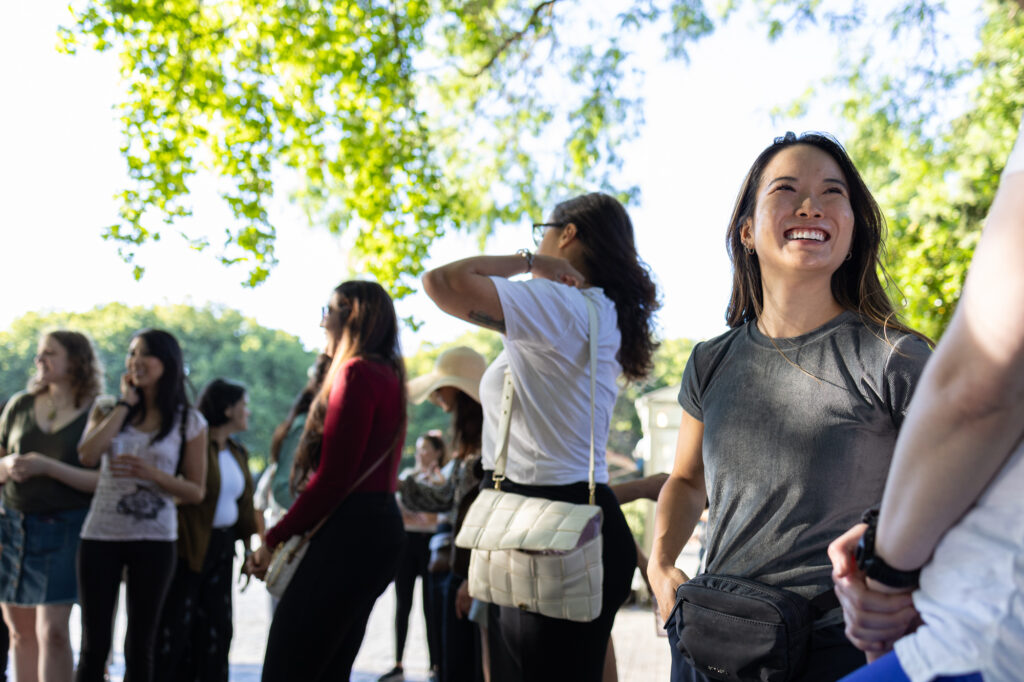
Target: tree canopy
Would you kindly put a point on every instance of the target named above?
(935, 172)
(216, 342)
(401, 121)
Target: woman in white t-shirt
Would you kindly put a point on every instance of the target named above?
(953, 501)
(585, 251)
(151, 447)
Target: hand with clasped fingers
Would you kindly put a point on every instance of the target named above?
(258, 562)
(23, 467)
(557, 270)
(876, 615)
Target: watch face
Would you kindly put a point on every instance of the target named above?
(865, 549)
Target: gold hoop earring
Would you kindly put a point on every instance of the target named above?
(749, 250)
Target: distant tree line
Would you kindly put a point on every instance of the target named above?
(272, 364)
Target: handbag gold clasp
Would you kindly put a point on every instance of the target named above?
(497, 481)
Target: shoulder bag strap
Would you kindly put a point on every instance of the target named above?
(366, 474)
(508, 390)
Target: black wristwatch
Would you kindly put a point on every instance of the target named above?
(873, 565)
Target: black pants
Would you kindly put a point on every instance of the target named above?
(460, 639)
(5, 643)
(414, 565)
(195, 632)
(147, 566)
(831, 657)
(527, 646)
(320, 621)
(435, 616)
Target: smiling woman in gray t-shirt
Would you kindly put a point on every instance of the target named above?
(797, 441)
(791, 417)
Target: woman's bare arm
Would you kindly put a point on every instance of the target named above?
(968, 409)
(464, 288)
(679, 507)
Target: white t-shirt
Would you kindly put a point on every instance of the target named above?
(972, 592)
(232, 485)
(131, 508)
(547, 346)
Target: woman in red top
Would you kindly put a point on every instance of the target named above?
(349, 454)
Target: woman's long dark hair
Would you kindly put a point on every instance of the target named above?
(171, 397)
(300, 406)
(467, 425)
(369, 320)
(855, 285)
(217, 397)
(84, 366)
(612, 263)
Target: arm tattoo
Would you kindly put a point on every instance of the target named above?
(485, 320)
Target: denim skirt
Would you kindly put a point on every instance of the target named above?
(37, 556)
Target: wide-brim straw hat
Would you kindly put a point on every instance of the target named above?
(461, 367)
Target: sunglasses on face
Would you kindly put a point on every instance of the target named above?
(540, 228)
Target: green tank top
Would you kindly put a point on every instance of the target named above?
(19, 433)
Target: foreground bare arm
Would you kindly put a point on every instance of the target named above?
(968, 410)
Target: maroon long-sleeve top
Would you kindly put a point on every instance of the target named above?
(364, 412)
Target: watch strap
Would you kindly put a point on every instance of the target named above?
(874, 566)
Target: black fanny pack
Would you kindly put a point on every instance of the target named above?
(736, 629)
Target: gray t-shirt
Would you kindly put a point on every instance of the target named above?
(792, 460)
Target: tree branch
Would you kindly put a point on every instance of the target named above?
(515, 37)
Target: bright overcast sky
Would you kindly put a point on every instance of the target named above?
(705, 122)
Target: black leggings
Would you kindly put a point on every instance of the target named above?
(460, 645)
(320, 621)
(148, 565)
(4, 644)
(413, 565)
(529, 646)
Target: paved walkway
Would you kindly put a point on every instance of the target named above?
(642, 653)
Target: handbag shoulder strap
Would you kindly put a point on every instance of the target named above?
(508, 391)
(373, 467)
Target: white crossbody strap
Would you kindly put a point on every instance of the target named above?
(508, 390)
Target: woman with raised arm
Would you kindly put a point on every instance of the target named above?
(790, 418)
(351, 446)
(151, 447)
(586, 251)
(46, 494)
(953, 501)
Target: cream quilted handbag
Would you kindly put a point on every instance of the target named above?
(532, 553)
(285, 561)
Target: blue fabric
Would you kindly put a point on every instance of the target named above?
(888, 669)
(37, 564)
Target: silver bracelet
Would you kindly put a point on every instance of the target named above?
(527, 255)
